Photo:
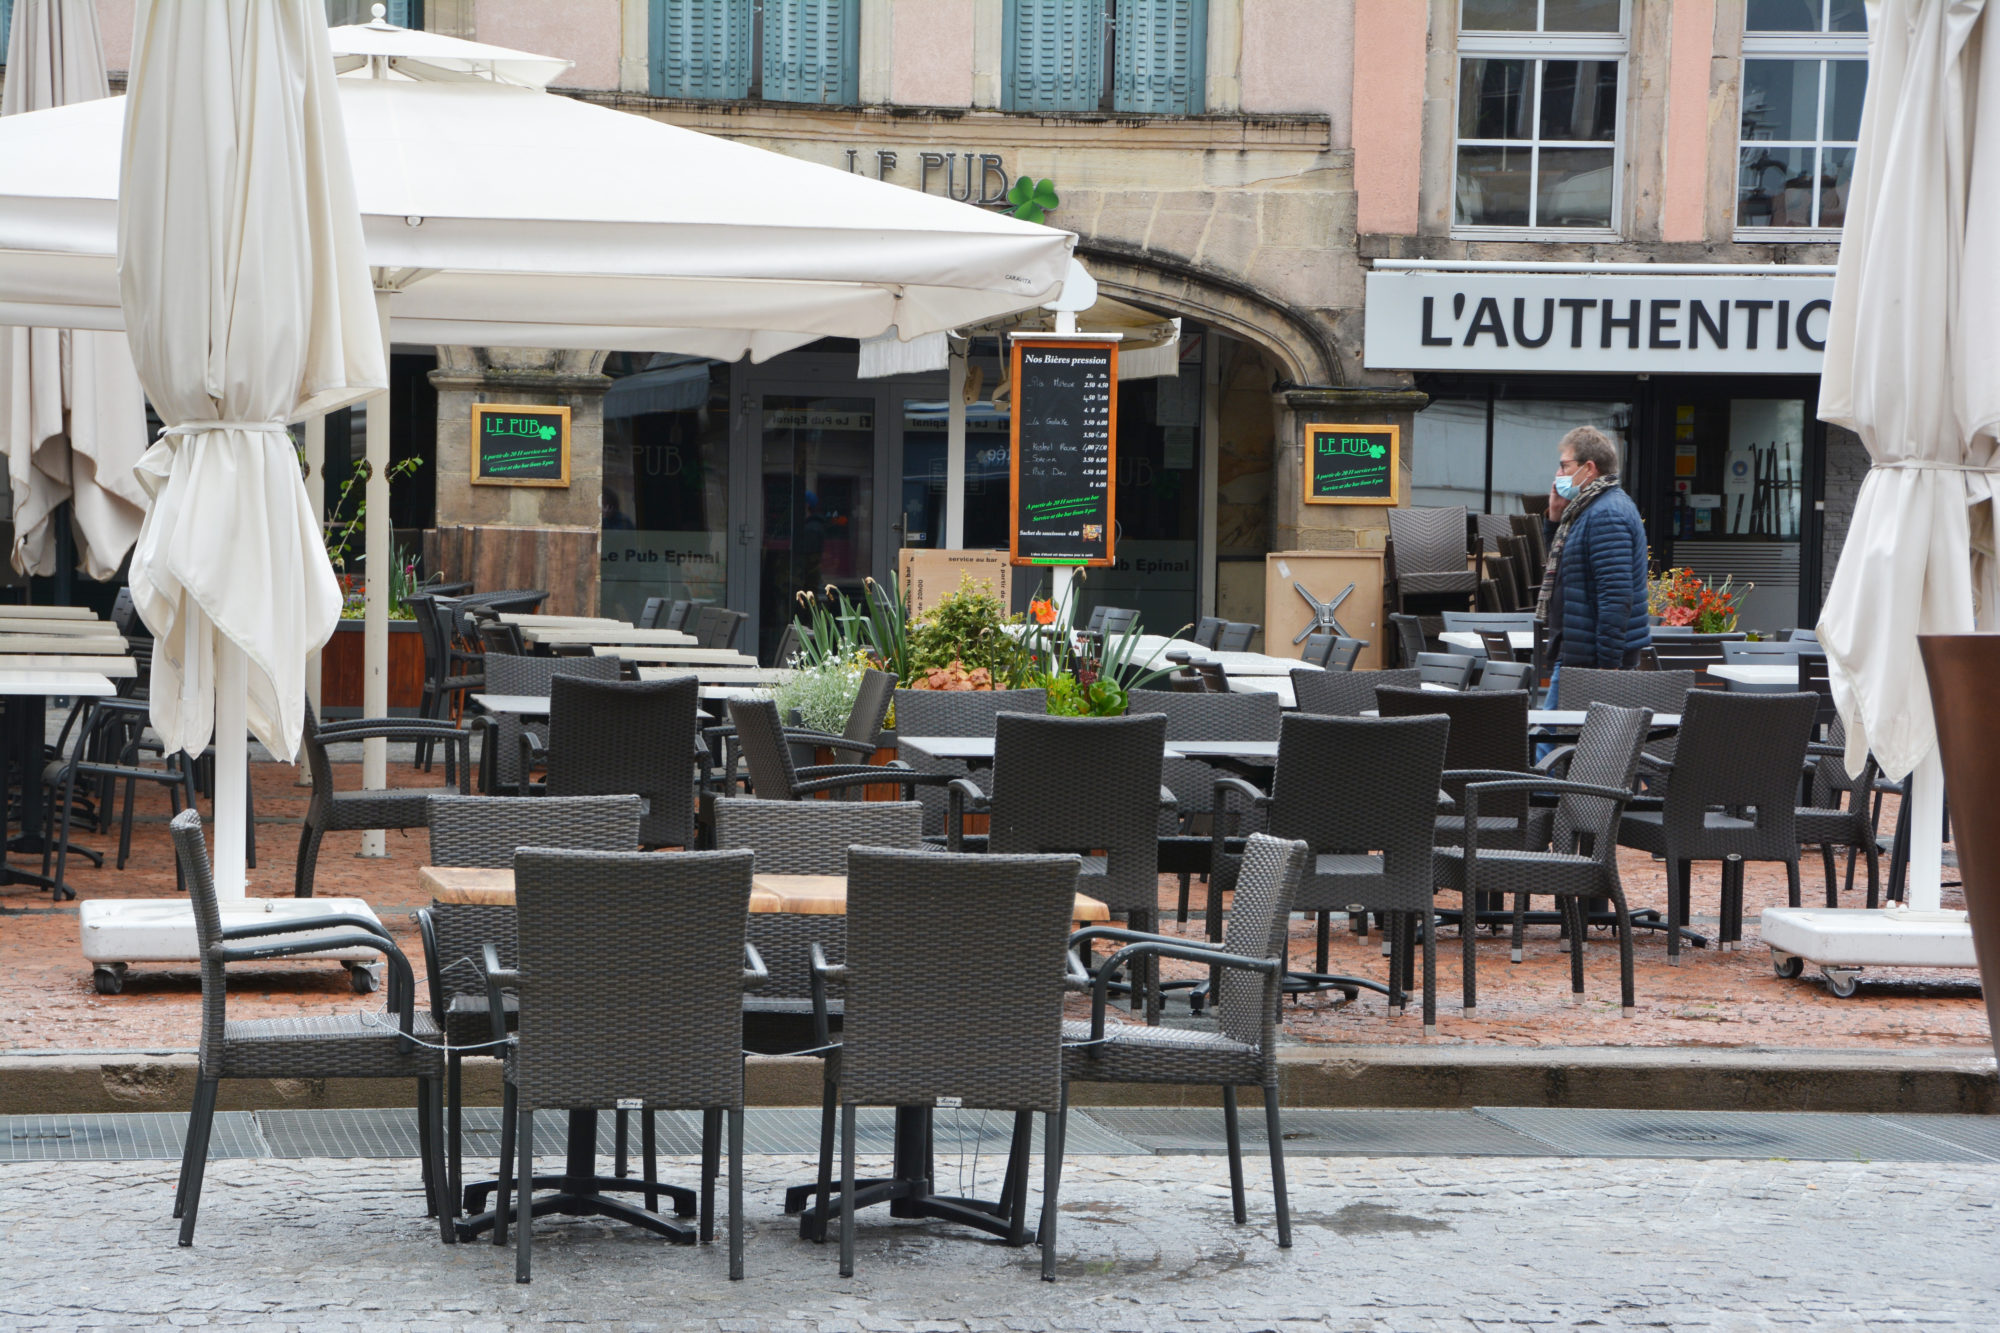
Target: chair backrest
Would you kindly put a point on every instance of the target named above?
(1452, 670)
(1528, 527)
(1205, 717)
(125, 615)
(1429, 541)
(766, 753)
(716, 627)
(1344, 693)
(500, 639)
(1813, 677)
(1488, 529)
(1489, 729)
(1527, 575)
(1213, 678)
(1089, 785)
(998, 926)
(1740, 750)
(955, 713)
(650, 613)
(1235, 637)
(1499, 674)
(1345, 653)
(1802, 635)
(871, 705)
(1260, 913)
(676, 614)
(198, 877)
(1117, 620)
(1094, 623)
(488, 830)
(531, 675)
(631, 970)
(1358, 785)
(1658, 691)
(1208, 629)
(1766, 652)
(1318, 648)
(1499, 648)
(788, 646)
(1606, 755)
(1499, 571)
(612, 737)
(1187, 681)
(423, 610)
(1409, 637)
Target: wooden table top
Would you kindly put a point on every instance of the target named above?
(803, 895)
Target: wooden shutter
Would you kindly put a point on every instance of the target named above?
(1054, 55)
(700, 48)
(812, 51)
(6, 23)
(1161, 56)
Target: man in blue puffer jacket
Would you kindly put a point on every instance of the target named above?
(1594, 589)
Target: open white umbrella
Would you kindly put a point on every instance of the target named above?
(1905, 358)
(72, 417)
(246, 299)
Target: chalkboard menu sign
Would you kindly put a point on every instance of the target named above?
(1065, 451)
(515, 445)
(1353, 465)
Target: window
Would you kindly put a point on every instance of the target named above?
(778, 50)
(1539, 111)
(1498, 455)
(341, 13)
(1058, 52)
(1805, 67)
(6, 23)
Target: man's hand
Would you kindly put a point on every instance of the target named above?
(1556, 506)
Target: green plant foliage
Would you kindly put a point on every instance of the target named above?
(836, 627)
(969, 626)
(1032, 200)
(824, 692)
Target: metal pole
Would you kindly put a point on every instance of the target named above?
(316, 492)
(232, 767)
(1924, 892)
(375, 565)
(954, 447)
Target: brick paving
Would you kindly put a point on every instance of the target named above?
(1712, 999)
(1145, 1244)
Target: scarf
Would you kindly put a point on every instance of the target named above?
(1584, 499)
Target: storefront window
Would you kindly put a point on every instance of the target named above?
(665, 506)
(1452, 464)
(1805, 68)
(988, 427)
(1739, 470)
(1538, 113)
(818, 471)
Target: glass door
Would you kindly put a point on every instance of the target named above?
(816, 456)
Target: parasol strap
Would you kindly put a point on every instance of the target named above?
(201, 427)
(1937, 465)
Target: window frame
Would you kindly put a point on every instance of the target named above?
(1540, 47)
(1823, 48)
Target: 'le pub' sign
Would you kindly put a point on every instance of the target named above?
(1354, 465)
(516, 445)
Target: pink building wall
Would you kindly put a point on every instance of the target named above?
(1298, 56)
(586, 31)
(114, 25)
(932, 60)
(1684, 187)
(1388, 102)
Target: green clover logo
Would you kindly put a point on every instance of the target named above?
(548, 432)
(1033, 200)
(1376, 451)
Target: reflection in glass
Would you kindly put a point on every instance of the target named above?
(1493, 99)
(818, 469)
(1774, 187)
(1497, 16)
(1784, 16)
(1836, 170)
(1579, 100)
(1448, 462)
(1847, 81)
(988, 475)
(1580, 16)
(665, 503)
(1847, 16)
(1493, 186)
(1574, 189)
(1781, 99)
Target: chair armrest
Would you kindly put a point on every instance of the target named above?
(1826, 751)
(293, 925)
(1100, 992)
(808, 736)
(755, 974)
(1219, 811)
(1618, 796)
(497, 978)
(1076, 977)
(957, 792)
(402, 982)
(1556, 761)
(1652, 765)
(1088, 933)
(822, 973)
(387, 728)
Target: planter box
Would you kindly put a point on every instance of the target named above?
(340, 670)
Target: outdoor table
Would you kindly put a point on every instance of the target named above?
(653, 653)
(1758, 678)
(719, 675)
(27, 693)
(116, 668)
(12, 624)
(1250, 664)
(1520, 640)
(527, 705)
(49, 612)
(98, 645)
(549, 636)
(529, 619)
(1287, 696)
(577, 1189)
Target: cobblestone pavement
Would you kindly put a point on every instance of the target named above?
(1387, 1243)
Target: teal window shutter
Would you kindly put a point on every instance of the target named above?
(812, 51)
(1054, 55)
(700, 48)
(6, 24)
(1161, 53)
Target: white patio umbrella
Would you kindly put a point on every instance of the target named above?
(245, 295)
(1912, 358)
(72, 417)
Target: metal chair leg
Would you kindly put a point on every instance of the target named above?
(648, 1149)
(735, 1194)
(501, 1186)
(1054, 1129)
(524, 1189)
(711, 1150)
(1274, 1132)
(847, 1191)
(1233, 1135)
(198, 1132)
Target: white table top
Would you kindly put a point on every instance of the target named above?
(526, 705)
(739, 676)
(49, 612)
(1250, 664)
(1282, 687)
(107, 645)
(1518, 639)
(38, 625)
(688, 656)
(1572, 718)
(526, 619)
(117, 668)
(606, 634)
(981, 747)
(45, 683)
(1748, 673)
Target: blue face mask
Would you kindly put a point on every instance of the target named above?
(1566, 486)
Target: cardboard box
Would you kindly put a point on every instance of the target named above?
(931, 576)
(1326, 575)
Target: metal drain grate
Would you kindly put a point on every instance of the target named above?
(1974, 1133)
(1326, 1133)
(1802, 1136)
(121, 1138)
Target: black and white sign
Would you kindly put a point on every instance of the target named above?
(1675, 323)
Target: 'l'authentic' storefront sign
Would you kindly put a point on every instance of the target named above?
(1675, 322)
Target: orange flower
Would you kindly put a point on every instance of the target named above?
(1043, 610)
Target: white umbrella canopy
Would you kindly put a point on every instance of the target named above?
(1911, 348)
(411, 53)
(247, 301)
(72, 417)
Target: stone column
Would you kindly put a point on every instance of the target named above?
(520, 536)
(1298, 526)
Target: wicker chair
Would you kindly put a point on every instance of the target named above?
(1657, 691)
(609, 738)
(1410, 641)
(1362, 793)
(387, 1045)
(500, 769)
(651, 612)
(1208, 629)
(668, 1038)
(449, 671)
(1569, 852)
(1003, 922)
(861, 736)
(1345, 694)
(1244, 1049)
(716, 627)
(1828, 824)
(486, 831)
(331, 811)
(955, 713)
(1235, 637)
(1333, 652)
(1451, 670)
(1431, 550)
(1489, 738)
(767, 754)
(1734, 794)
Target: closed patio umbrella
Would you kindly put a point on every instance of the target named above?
(72, 417)
(246, 298)
(1911, 363)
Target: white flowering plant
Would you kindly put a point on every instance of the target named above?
(822, 692)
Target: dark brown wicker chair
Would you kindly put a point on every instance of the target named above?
(1431, 551)
(767, 754)
(955, 713)
(1345, 693)
(609, 738)
(500, 772)
(331, 811)
(399, 1043)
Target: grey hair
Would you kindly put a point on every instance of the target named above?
(1588, 444)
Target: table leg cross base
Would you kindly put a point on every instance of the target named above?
(683, 1199)
(910, 1199)
(587, 1205)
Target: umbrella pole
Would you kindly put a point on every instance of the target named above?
(375, 612)
(316, 492)
(232, 767)
(954, 450)
(1926, 807)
